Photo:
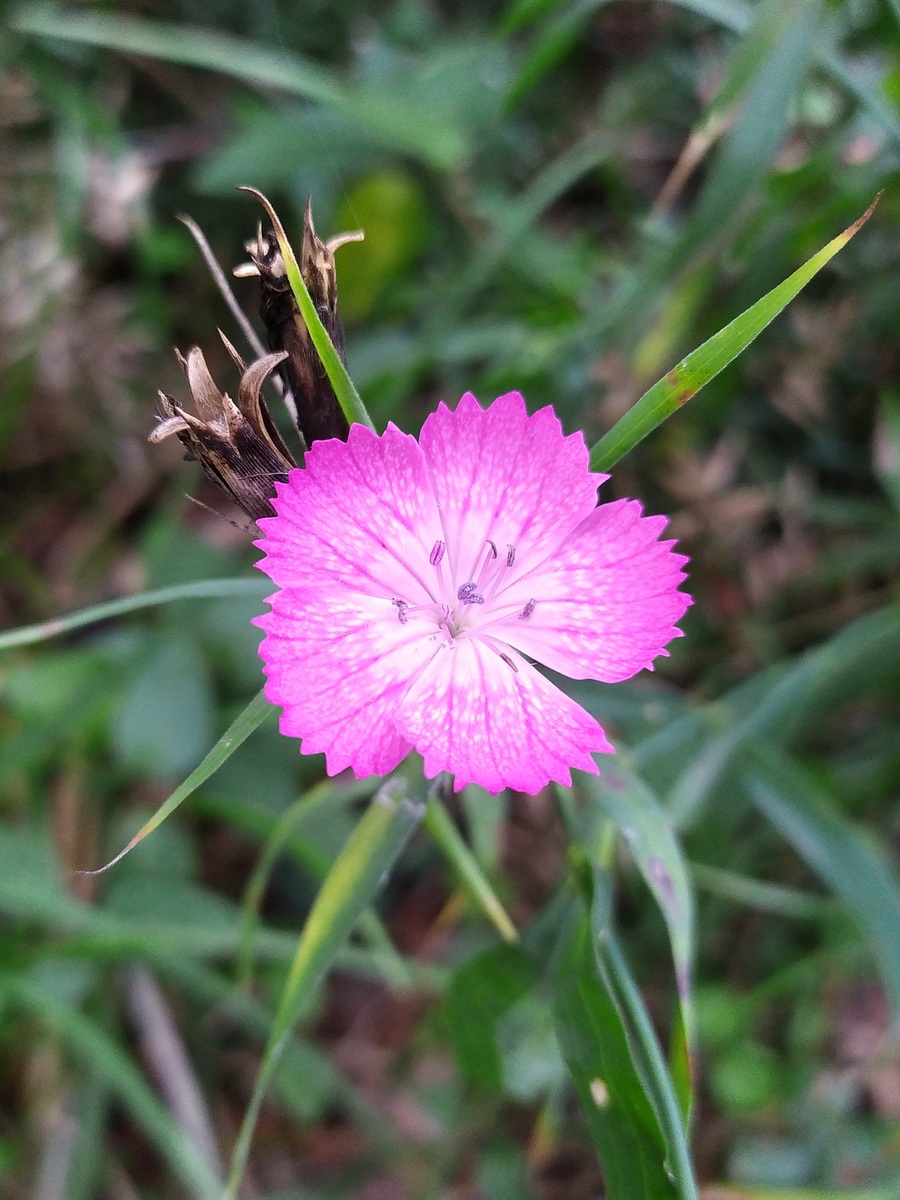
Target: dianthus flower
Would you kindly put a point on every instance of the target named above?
(418, 579)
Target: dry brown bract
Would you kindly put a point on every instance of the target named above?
(237, 445)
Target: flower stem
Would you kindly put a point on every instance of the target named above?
(446, 835)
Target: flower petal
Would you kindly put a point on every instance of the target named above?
(361, 515)
(496, 723)
(505, 475)
(338, 663)
(606, 602)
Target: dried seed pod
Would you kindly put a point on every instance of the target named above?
(237, 445)
(318, 413)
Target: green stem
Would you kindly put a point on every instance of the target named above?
(446, 835)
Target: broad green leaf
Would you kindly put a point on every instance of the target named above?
(647, 829)
(851, 865)
(595, 1045)
(703, 364)
(349, 888)
(481, 991)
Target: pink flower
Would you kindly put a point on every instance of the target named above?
(418, 580)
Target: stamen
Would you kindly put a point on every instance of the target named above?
(468, 594)
(437, 552)
(528, 610)
(402, 610)
(510, 662)
(493, 547)
(510, 555)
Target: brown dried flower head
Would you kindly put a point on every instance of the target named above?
(237, 445)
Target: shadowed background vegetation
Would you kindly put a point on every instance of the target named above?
(561, 198)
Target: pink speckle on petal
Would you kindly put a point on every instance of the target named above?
(415, 576)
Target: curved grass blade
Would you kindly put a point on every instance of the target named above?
(647, 829)
(838, 852)
(102, 1057)
(350, 887)
(687, 378)
(202, 589)
(613, 1072)
(347, 395)
(263, 65)
(645, 1050)
(239, 730)
(779, 704)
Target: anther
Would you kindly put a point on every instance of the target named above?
(528, 610)
(402, 611)
(493, 548)
(468, 594)
(509, 662)
(510, 555)
(437, 552)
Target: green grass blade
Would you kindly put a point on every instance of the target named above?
(851, 866)
(240, 729)
(781, 704)
(687, 378)
(201, 589)
(102, 1057)
(263, 66)
(773, 74)
(350, 887)
(645, 1049)
(647, 829)
(595, 1045)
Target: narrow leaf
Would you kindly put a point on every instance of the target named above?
(647, 829)
(202, 589)
(687, 378)
(838, 852)
(643, 1045)
(239, 730)
(594, 1044)
(464, 862)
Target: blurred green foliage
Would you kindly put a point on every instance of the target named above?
(558, 197)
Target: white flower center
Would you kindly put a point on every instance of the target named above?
(463, 608)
